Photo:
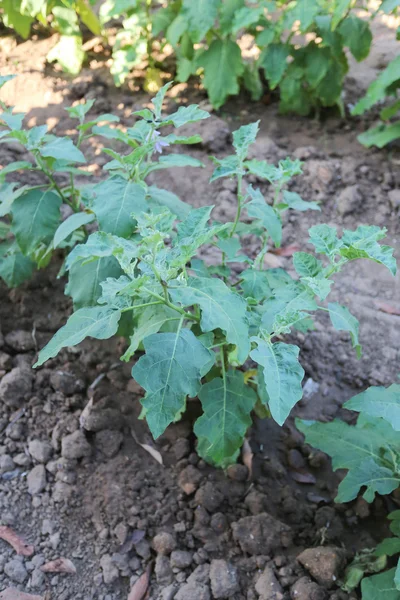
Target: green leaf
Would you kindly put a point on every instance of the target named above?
(246, 16)
(379, 402)
(227, 403)
(324, 239)
(380, 587)
(288, 299)
(176, 160)
(18, 165)
(294, 201)
(150, 321)
(259, 209)
(222, 63)
(244, 137)
(5, 78)
(318, 61)
(320, 286)
(263, 170)
(84, 280)
(357, 36)
(255, 284)
(168, 199)
(283, 375)
(389, 547)
(306, 265)
(12, 120)
(252, 80)
(381, 135)
(15, 268)
(305, 11)
(8, 194)
(88, 17)
(97, 322)
(376, 478)
(62, 149)
(36, 215)
(70, 225)
(340, 10)
(274, 62)
(12, 17)
(187, 114)
(200, 16)
(363, 243)
(115, 202)
(221, 308)
(176, 30)
(170, 371)
(159, 99)
(387, 6)
(68, 53)
(378, 89)
(226, 167)
(397, 576)
(343, 320)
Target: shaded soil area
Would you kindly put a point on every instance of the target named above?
(75, 481)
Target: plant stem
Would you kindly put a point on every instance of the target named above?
(168, 303)
(135, 306)
(240, 200)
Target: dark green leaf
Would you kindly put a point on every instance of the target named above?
(70, 225)
(15, 268)
(84, 280)
(36, 215)
(222, 63)
(62, 149)
(343, 320)
(274, 62)
(200, 16)
(379, 402)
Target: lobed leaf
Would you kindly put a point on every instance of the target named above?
(343, 320)
(381, 402)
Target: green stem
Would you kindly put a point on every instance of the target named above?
(240, 200)
(135, 306)
(168, 303)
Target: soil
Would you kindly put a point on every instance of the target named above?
(75, 480)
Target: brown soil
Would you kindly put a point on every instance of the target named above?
(102, 498)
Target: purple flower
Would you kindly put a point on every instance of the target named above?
(159, 144)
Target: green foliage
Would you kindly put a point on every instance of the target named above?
(370, 451)
(198, 326)
(206, 37)
(386, 85)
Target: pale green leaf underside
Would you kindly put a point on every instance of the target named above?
(379, 402)
(380, 587)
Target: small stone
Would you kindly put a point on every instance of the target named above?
(168, 593)
(109, 441)
(20, 341)
(181, 448)
(261, 534)
(268, 587)
(181, 559)
(143, 549)
(15, 385)
(394, 198)
(209, 497)
(37, 578)
(37, 480)
(6, 464)
(110, 570)
(16, 571)
(324, 563)
(163, 570)
(164, 543)
(305, 589)
(189, 479)
(22, 460)
(238, 472)
(193, 591)
(350, 200)
(75, 445)
(40, 451)
(48, 527)
(62, 492)
(121, 532)
(201, 574)
(55, 539)
(224, 579)
(5, 361)
(66, 382)
(362, 508)
(219, 522)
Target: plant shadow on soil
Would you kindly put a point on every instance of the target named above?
(101, 499)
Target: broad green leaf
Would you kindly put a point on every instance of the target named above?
(357, 36)
(244, 137)
(15, 166)
(170, 371)
(66, 20)
(387, 6)
(287, 299)
(36, 215)
(221, 308)
(306, 265)
(111, 9)
(340, 10)
(5, 78)
(15, 268)
(162, 19)
(176, 160)
(230, 247)
(330, 87)
(263, 170)
(320, 286)
(32, 7)
(259, 209)
(80, 110)
(12, 120)
(255, 284)
(226, 167)
(294, 98)
(246, 16)
(397, 576)
(176, 30)
(305, 11)
(283, 375)
(88, 17)
(99, 322)
(187, 114)
(379, 402)
(252, 81)
(389, 547)
(227, 403)
(227, 11)
(159, 99)
(380, 587)
(195, 222)
(343, 320)
(200, 16)
(378, 89)
(12, 17)
(150, 321)
(168, 199)
(324, 239)
(375, 477)
(274, 62)
(390, 111)
(222, 63)
(363, 243)
(69, 53)
(62, 149)
(8, 194)
(317, 63)
(296, 202)
(381, 135)
(84, 280)
(115, 202)
(70, 225)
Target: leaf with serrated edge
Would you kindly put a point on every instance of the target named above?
(244, 137)
(187, 114)
(259, 209)
(115, 202)
(84, 280)
(222, 63)
(283, 375)
(381, 402)
(227, 403)
(221, 308)
(375, 477)
(36, 215)
(380, 587)
(150, 321)
(306, 265)
(343, 320)
(363, 243)
(100, 323)
(170, 371)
